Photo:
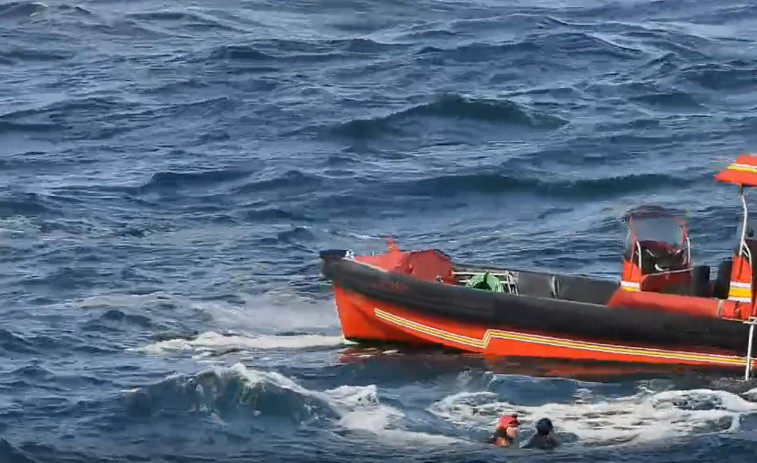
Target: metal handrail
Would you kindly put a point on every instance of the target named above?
(752, 321)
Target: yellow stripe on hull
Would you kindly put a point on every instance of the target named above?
(491, 334)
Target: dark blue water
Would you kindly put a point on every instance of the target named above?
(169, 170)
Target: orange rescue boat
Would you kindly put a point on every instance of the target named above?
(664, 309)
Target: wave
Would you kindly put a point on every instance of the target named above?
(229, 392)
(587, 44)
(33, 375)
(30, 127)
(18, 10)
(726, 13)
(650, 94)
(362, 45)
(680, 45)
(64, 278)
(476, 52)
(188, 84)
(722, 77)
(79, 117)
(551, 46)
(452, 107)
(283, 51)
(79, 106)
(673, 99)
(288, 179)
(164, 15)
(490, 183)
(186, 20)
(11, 454)
(17, 55)
(295, 235)
(372, 195)
(115, 315)
(241, 393)
(14, 10)
(178, 180)
(239, 53)
(77, 9)
(426, 34)
(158, 299)
(632, 9)
(257, 215)
(29, 206)
(496, 23)
(11, 342)
(455, 106)
(202, 108)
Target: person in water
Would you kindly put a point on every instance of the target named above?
(506, 432)
(545, 437)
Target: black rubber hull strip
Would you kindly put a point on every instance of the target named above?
(576, 320)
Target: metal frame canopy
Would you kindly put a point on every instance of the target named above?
(653, 211)
(743, 173)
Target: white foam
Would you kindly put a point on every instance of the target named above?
(134, 301)
(257, 376)
(274, 311)
(751, 393)
(271, 312)
(358, 407)
(212, 342)
(254, 324)
(361, 410)
(643, 417)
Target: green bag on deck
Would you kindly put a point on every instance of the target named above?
(485, 281)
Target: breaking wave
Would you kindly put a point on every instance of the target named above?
(238, 392)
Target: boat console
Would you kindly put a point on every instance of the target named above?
(657, 253)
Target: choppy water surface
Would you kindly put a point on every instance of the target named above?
(169, 170)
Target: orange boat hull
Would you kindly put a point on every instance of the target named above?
(422, 298)
(363, 318)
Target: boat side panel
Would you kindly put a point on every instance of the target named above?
(536, 284)
(501, 342)
(358, 324)
(583, 289)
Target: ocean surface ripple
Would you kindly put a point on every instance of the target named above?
(169, 170)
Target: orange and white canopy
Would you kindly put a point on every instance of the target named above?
(742, 172)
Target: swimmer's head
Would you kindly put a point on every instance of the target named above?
(544, 426)
(508, 425)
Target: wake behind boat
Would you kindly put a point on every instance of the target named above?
(664, 309)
